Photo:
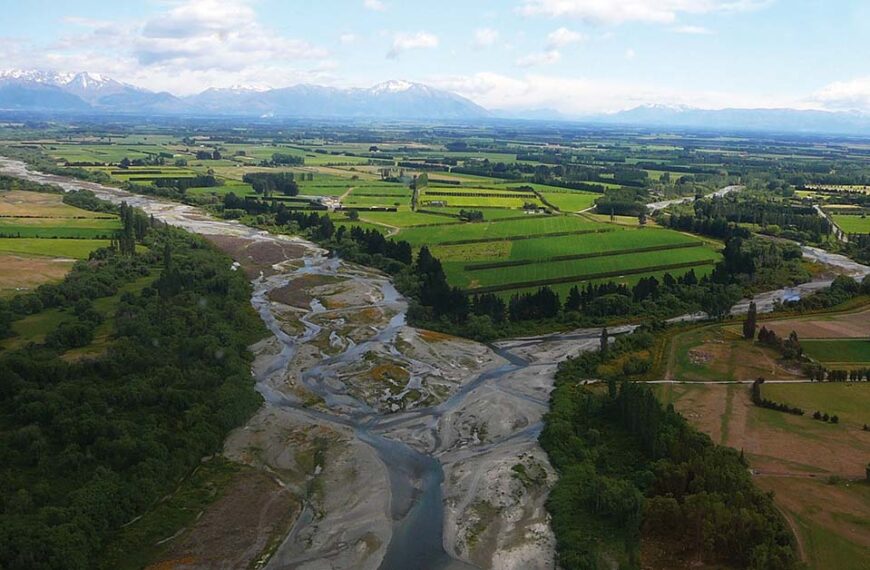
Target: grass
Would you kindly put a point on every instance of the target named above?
(533, 225)
(838, 351)
(60, 248)
(569, 201)
(33, 328)
(713, 353)
(852, 224)
(20, 203)
(827, 549)
(596, 243)
(850, 401)
(58, 228)
(405, 218)
(583, 268)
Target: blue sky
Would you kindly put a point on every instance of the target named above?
(576, 56)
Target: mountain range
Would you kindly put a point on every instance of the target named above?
(83, 92)
(86, 92)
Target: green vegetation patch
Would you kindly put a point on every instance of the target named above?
(69, 248)
(852, 224)
(850, 401)
(838, 351)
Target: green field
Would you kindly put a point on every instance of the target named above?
(849, 400)
(593, 268)
(405, 218)
(70, 248)
(842, 352)
(58, 227)
(495, 230)
(569, 201)
(852, 224)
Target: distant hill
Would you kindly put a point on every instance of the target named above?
(774, 120)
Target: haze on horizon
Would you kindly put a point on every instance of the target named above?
(572, 56)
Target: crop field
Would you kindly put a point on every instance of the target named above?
(405, 218)
(852, 224)
(477, 196)
(44, 215)
(571, 201)
(616, 265)
(839, 353)
(562, 289)
(101, 153)
(498, 230)
(63, 248)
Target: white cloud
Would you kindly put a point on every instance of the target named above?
(374, 5)
(548, 57)
(348, 38)
(620, 11)
(853, 94)
(564, 37)
(187, 47)
(692, 30)
(403, 42)
(485, 37)
(630, 54)
(577, 96)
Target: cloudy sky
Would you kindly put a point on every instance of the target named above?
(575, 56)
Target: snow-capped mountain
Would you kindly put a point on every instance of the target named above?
(49, 91)
(46, 91)
(391, 99)
(36, 76)
(93, 87)
(771, 120)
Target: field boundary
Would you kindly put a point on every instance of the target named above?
(586, 277)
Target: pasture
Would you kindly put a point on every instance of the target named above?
(839, 353)
(496, 230)
(852, 224)
(59, 248)
(813, 467)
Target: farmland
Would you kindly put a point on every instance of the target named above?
(41, 237)
(839, 353)
(528, 235)
(852, 224)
